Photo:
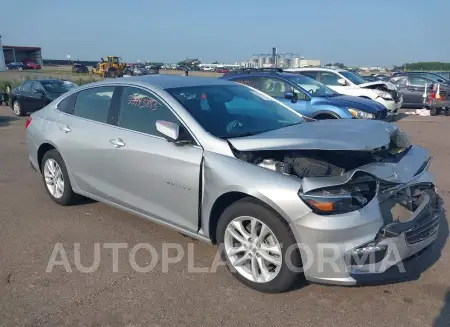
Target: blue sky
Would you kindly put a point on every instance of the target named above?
(355, 32)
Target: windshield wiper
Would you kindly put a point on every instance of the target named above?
(240, 135)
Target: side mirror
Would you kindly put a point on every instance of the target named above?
(342, 82)
(290, 96)
(168, 129)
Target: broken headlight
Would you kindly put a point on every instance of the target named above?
(340, 199)
(383, 94)
(360, 114)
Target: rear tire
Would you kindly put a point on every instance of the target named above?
(433, 111)
(54, 173)
(270, 277)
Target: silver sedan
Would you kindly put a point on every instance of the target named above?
(334, 201)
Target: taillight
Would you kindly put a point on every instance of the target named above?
(28, 122)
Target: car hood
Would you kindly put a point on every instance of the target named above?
(371, 85)
(339, 134)
(366, 105)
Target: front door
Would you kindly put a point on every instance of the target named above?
(148, 174)
(415, 88)
(37, 97)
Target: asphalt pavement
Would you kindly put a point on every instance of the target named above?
(31, 225)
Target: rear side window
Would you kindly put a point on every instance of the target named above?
(94, 103)
(139, 111)
(67, 105)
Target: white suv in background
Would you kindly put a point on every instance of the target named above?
(348, 83)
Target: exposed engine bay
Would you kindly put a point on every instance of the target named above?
(320, 163)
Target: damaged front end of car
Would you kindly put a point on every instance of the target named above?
(367, 203)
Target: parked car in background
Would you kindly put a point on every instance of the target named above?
(412, 88)
(307, 96)
(229, 165)
(16, 65)
(80, 69)
(32, 65)
(430, 75)
(33, 95)
(445, 75)
(348, 83)
(152, 69)
(222, 70)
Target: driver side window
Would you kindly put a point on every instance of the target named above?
(418, 81)
(329, 79)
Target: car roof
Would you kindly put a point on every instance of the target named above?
(259, 73)
(167, 81)
(316, 69)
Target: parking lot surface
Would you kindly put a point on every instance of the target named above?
(31, 224)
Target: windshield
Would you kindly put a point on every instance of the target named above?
(228, 111)
(354, 78)
(53, 86)
(314, 88)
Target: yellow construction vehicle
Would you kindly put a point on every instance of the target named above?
(109, 67)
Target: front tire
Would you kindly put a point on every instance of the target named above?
(56, 179)
(258, 247)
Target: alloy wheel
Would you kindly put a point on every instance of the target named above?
(54, 179)
(253, 249)
(16, 108)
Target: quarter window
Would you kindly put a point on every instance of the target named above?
(329, 79)
(139, 111)
(67, 104)
(94, 103)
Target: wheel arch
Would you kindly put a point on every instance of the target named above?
(227, 199)
(46, 146)
(325, 113)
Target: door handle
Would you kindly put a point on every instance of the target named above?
(118, 143)
(65, 128)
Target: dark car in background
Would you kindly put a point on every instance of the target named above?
(434, 76)
(412, 88)
(79, 69)
(33, 95)
(446, 75)
(16, 65)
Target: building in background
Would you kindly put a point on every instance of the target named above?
(281, 60)
(2, 57)
(19, 54)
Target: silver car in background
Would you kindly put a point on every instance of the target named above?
(227, 164)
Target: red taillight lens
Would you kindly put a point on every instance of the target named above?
(28, 122)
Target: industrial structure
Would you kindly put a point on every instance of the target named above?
(11, 53)
(282, 60)
(2, 57)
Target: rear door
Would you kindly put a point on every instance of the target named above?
(147, 173)
(83, 133)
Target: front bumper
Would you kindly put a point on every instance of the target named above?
(346, 249)
(391, 105)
